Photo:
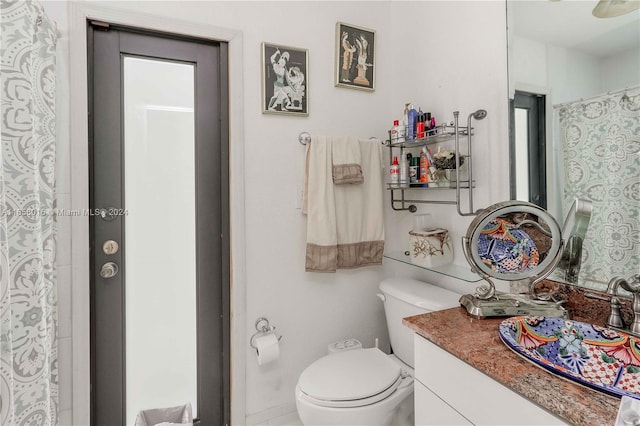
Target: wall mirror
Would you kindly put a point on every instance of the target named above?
(574, 84)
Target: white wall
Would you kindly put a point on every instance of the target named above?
(456, 60)
(528, 62)
(572, 74)
(566, 75)
(569, 74)
(621, 70)
(451, 56)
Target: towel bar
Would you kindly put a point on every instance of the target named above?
(305, 138)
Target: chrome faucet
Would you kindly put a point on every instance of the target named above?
(632, 285)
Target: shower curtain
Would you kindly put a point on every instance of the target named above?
(601, 143)
(28, 329)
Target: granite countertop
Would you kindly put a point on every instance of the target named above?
(571, 402)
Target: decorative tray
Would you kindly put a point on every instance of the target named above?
(600, 358)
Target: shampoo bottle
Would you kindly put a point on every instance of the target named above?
(411, 127)
(405, 120)
(404, 169)
(401, 132)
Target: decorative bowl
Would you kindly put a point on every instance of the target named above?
(446, 160)
(597, 357)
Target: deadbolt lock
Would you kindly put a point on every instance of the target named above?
(109, 270)
(110, 247)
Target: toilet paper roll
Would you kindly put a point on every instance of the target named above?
(268, 348)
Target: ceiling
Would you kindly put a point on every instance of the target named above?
(570, 24)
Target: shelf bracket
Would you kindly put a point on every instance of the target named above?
(403, 204)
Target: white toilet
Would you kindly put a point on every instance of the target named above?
(367, 386)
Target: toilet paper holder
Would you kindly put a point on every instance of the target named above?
(263, 327)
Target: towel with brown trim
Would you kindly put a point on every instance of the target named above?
(345, 158)
(345, 223)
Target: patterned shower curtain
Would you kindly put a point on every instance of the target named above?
(28, 324)
(601, 140)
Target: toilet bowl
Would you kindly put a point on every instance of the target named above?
(367, 386)
(356, 387)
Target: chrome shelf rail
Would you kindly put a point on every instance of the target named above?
(443, 133)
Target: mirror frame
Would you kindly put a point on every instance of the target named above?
(535, 274)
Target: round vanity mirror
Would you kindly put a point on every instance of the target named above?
(513, 240)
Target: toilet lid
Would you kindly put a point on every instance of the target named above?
(349, 375)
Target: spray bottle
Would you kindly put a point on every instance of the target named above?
(420, 124)
(424, 167)
(394, 171)
(394, 132)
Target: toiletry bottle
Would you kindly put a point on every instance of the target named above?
(397, 133)
(414, 170)
(394, 131)
(411, 127)
(427, 120)
(394, 171)
(404, 169)
(420, 125)
(433, 122)
(432, 169)
(405, 121)
(424, 167)
(419, 129)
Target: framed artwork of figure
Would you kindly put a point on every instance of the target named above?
(285, 80)
(355, 57)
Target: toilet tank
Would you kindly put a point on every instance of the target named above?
(405, 297)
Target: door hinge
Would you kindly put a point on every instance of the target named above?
(99, 25)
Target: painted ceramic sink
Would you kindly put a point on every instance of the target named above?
(597, 357)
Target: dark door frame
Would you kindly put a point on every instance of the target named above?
(213, 306)
(535, 104)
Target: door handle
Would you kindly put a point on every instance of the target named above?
(109, 270)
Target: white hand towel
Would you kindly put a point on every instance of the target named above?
(345, 154)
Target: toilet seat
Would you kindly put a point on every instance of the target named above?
(352, 378)
(353, 403)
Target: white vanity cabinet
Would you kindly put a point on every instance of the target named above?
(449, 391)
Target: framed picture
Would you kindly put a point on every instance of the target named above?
(285, 80)
(355, 57)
